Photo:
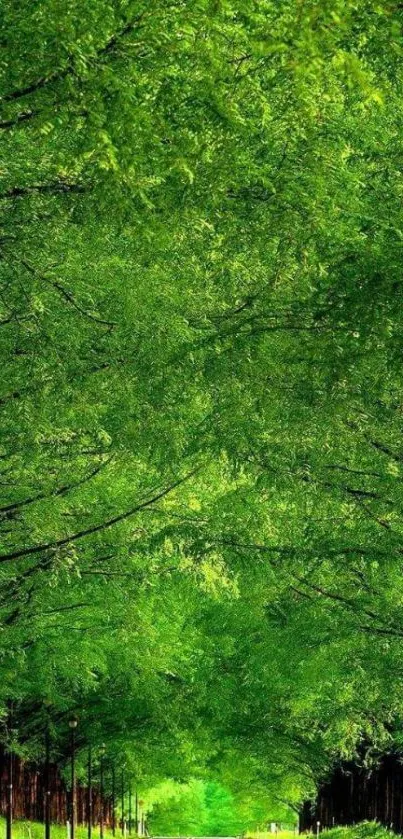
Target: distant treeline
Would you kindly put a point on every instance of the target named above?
(29, 792)
(355, 793)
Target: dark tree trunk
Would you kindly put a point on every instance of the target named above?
(354, 793)
(29, 787)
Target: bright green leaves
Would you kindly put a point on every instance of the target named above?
(200, 336)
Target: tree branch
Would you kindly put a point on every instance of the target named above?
(61, 74)
(81, 534)
(67, 295)
(58, 492)
(56, 187)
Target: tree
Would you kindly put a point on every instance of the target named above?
(200, 341)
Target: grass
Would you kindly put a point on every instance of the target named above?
(23, 829)
(364, 830)
(281, 834)
(34, 830)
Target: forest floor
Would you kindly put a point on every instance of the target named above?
(364, 830)
(35, 830)
(24, 829)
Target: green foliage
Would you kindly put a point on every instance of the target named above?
(200, 339)
(205, 808)
(177, 810)
(364, 830)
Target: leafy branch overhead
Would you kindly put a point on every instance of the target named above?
(201, 487)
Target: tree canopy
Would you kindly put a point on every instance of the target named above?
(201, 339)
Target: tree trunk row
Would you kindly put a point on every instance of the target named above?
(355, 794)
(29, 794)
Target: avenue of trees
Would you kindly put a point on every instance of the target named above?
(201, 323)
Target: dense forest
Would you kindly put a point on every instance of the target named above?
(201, 458)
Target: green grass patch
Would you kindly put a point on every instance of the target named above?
(23, 829)
(364, 830)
